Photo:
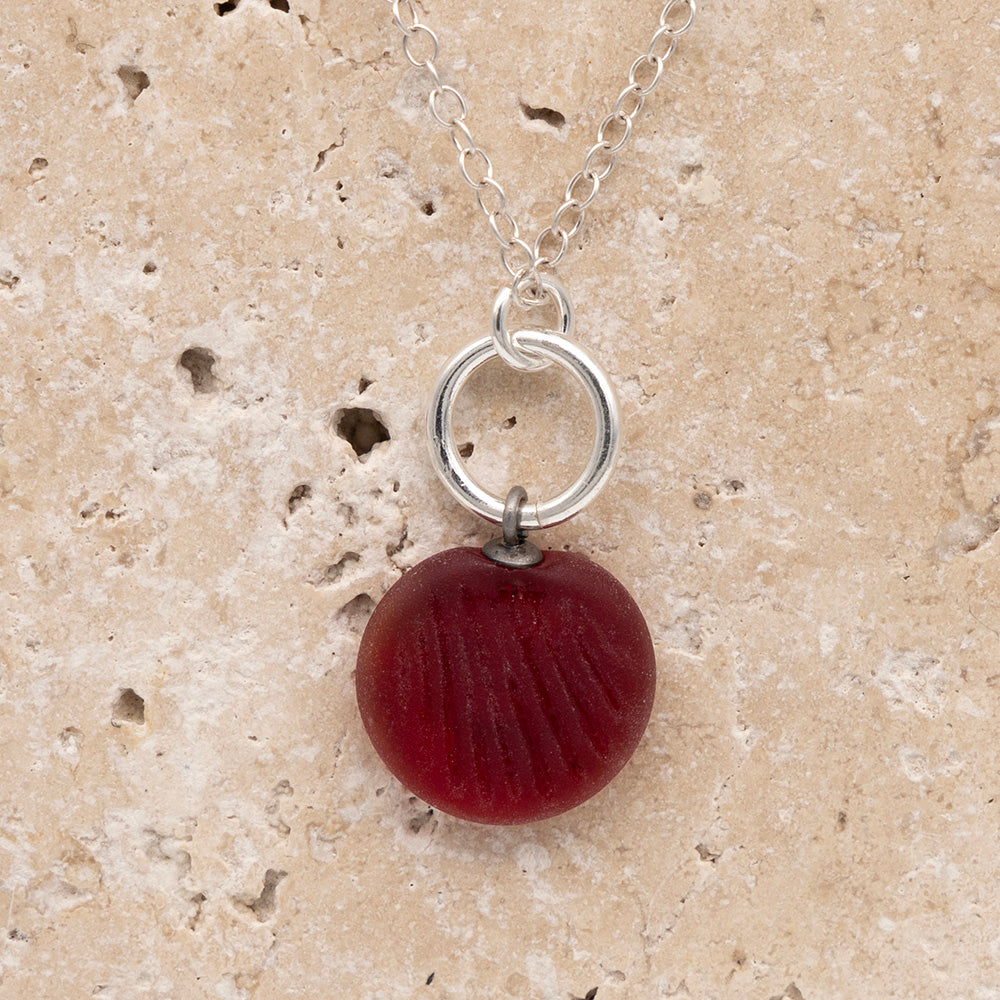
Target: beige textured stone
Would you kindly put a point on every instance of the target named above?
(221, 228)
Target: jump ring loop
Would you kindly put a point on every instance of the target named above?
(509, 345)
(448, 462)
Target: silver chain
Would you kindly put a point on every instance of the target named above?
(525, 261)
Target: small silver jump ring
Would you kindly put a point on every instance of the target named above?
(509, 344)
(527, 291)
(449, 465)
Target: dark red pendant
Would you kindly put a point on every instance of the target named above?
(505, 695)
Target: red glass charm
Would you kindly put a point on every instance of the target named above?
(505, 695)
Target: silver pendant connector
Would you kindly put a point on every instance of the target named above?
(513, 547)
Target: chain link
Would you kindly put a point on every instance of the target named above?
(524, 261)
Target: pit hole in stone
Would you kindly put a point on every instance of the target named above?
(509, 423)
(298, 497)
(363, 384)
(358, 610)
(280, 5)
(690, 172)
(332, 573)
(546, 115)
(394, 548)
(129, 707)
(195, 912)
(361, 428)
(428, 207)
(134, 79)
(707, 854)
(38, 166)
(264, 906)
(466, 450)
(226, 8)
(8, 279)
(149, 267)
(198, 362)
(418, 822)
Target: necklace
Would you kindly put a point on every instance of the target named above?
(508, 684)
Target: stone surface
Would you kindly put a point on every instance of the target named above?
(234, 243)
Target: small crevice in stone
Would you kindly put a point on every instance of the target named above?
(702, 500)
(298, 496)
(690, 172)
(73, 39)
(134, 79)
(198, 362)
(706, 854)
(359, 608)
(417, 823)
(195, 914)
(226, 7)
(129, 707)
(547, 115)
(265, 905)
(361, 428)
(391, 166)
(332, 573)
(394, 548)
(792, 992)
(323, 153)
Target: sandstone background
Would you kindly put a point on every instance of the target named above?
(228, 228)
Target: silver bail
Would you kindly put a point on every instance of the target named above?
(513, 548)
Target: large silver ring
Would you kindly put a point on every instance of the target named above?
(449, 465)
(503, 337)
